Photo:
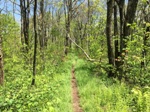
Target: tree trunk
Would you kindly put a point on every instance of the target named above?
(116, 37)
(1, 58)
(67, 37)
(1, 63)
(68, 21)
(89, 23)
(110, 4)
(121, 4)
(35, 43)
(41, 25)
(25, 11)
(21, 9)
(42, 36)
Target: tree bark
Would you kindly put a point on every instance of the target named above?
(110, 4)
(41, 25)
(21, 9)
(25, 11)
(42, 34)
(116, 36)
(121, 4)
(68, 4)
(35, 43)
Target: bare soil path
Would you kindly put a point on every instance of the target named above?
(75, 95)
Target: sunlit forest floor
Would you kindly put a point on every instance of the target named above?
(53, 91)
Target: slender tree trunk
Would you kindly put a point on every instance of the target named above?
(68, 21)
(27, 24)
(42, 35)
(116, 37)
(25, 11)
(21, 9)
(121, 13)
(35, 43)
(1, 63)
(67, 38)
(88, 22)
(1, 58)
(110, 4)
(41, 25)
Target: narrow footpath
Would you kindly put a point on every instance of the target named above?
(75, 95)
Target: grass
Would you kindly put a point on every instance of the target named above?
(101, 94)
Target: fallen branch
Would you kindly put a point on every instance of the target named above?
(90, 59)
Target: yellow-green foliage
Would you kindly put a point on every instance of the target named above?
(50, 94)
(10, 33)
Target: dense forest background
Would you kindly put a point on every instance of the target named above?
(107, 42)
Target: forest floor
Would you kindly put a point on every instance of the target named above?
(75, 93)
(74, 85)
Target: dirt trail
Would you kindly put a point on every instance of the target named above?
(75, 96)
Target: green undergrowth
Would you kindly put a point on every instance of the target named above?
(50, 94)
(101, 94)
